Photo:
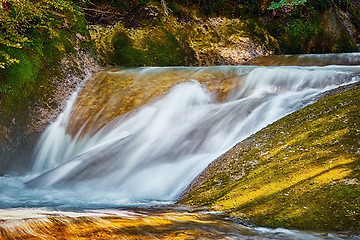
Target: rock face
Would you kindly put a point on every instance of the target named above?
(203, 34)
(299, 172)
(214, 41)
(26, 114)
(324, 31)
(114, 92)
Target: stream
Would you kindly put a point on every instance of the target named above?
(131, 140)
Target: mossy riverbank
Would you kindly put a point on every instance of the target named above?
(300, 172)
(52, 52)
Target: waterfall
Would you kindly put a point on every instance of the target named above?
(139, 136)
(154, 151)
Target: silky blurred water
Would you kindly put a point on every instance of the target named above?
(148, 154)
(142, 223)
(152, 153)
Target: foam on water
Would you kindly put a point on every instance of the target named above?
(150, 155)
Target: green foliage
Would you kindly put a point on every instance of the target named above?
(22, 18)
(34, 37)
(6, 89)
(276, 5)
(298, 35)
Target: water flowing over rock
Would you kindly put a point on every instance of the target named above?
(151, 150)
(351, 59)
(138, 224)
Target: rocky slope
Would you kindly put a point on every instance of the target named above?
(300, 172)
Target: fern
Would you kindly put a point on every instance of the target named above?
(276, 5)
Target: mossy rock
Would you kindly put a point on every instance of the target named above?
(157, 47)
(146, 46)
(300, 172)
(305, 30)
(30, 85)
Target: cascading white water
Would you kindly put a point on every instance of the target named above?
(153, 153)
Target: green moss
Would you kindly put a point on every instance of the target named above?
(299, 33)
(299, 172)
(37, 65)
(344, 44)
(318, 27)
(124, 52)
(148, 46)
(24, 72)
(29, 85)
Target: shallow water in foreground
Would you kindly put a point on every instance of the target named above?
(139, 223)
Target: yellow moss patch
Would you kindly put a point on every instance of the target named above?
(294, 173)
(261, 187)
(332, 137)
(332, 175)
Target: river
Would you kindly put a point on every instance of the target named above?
(131, 140)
